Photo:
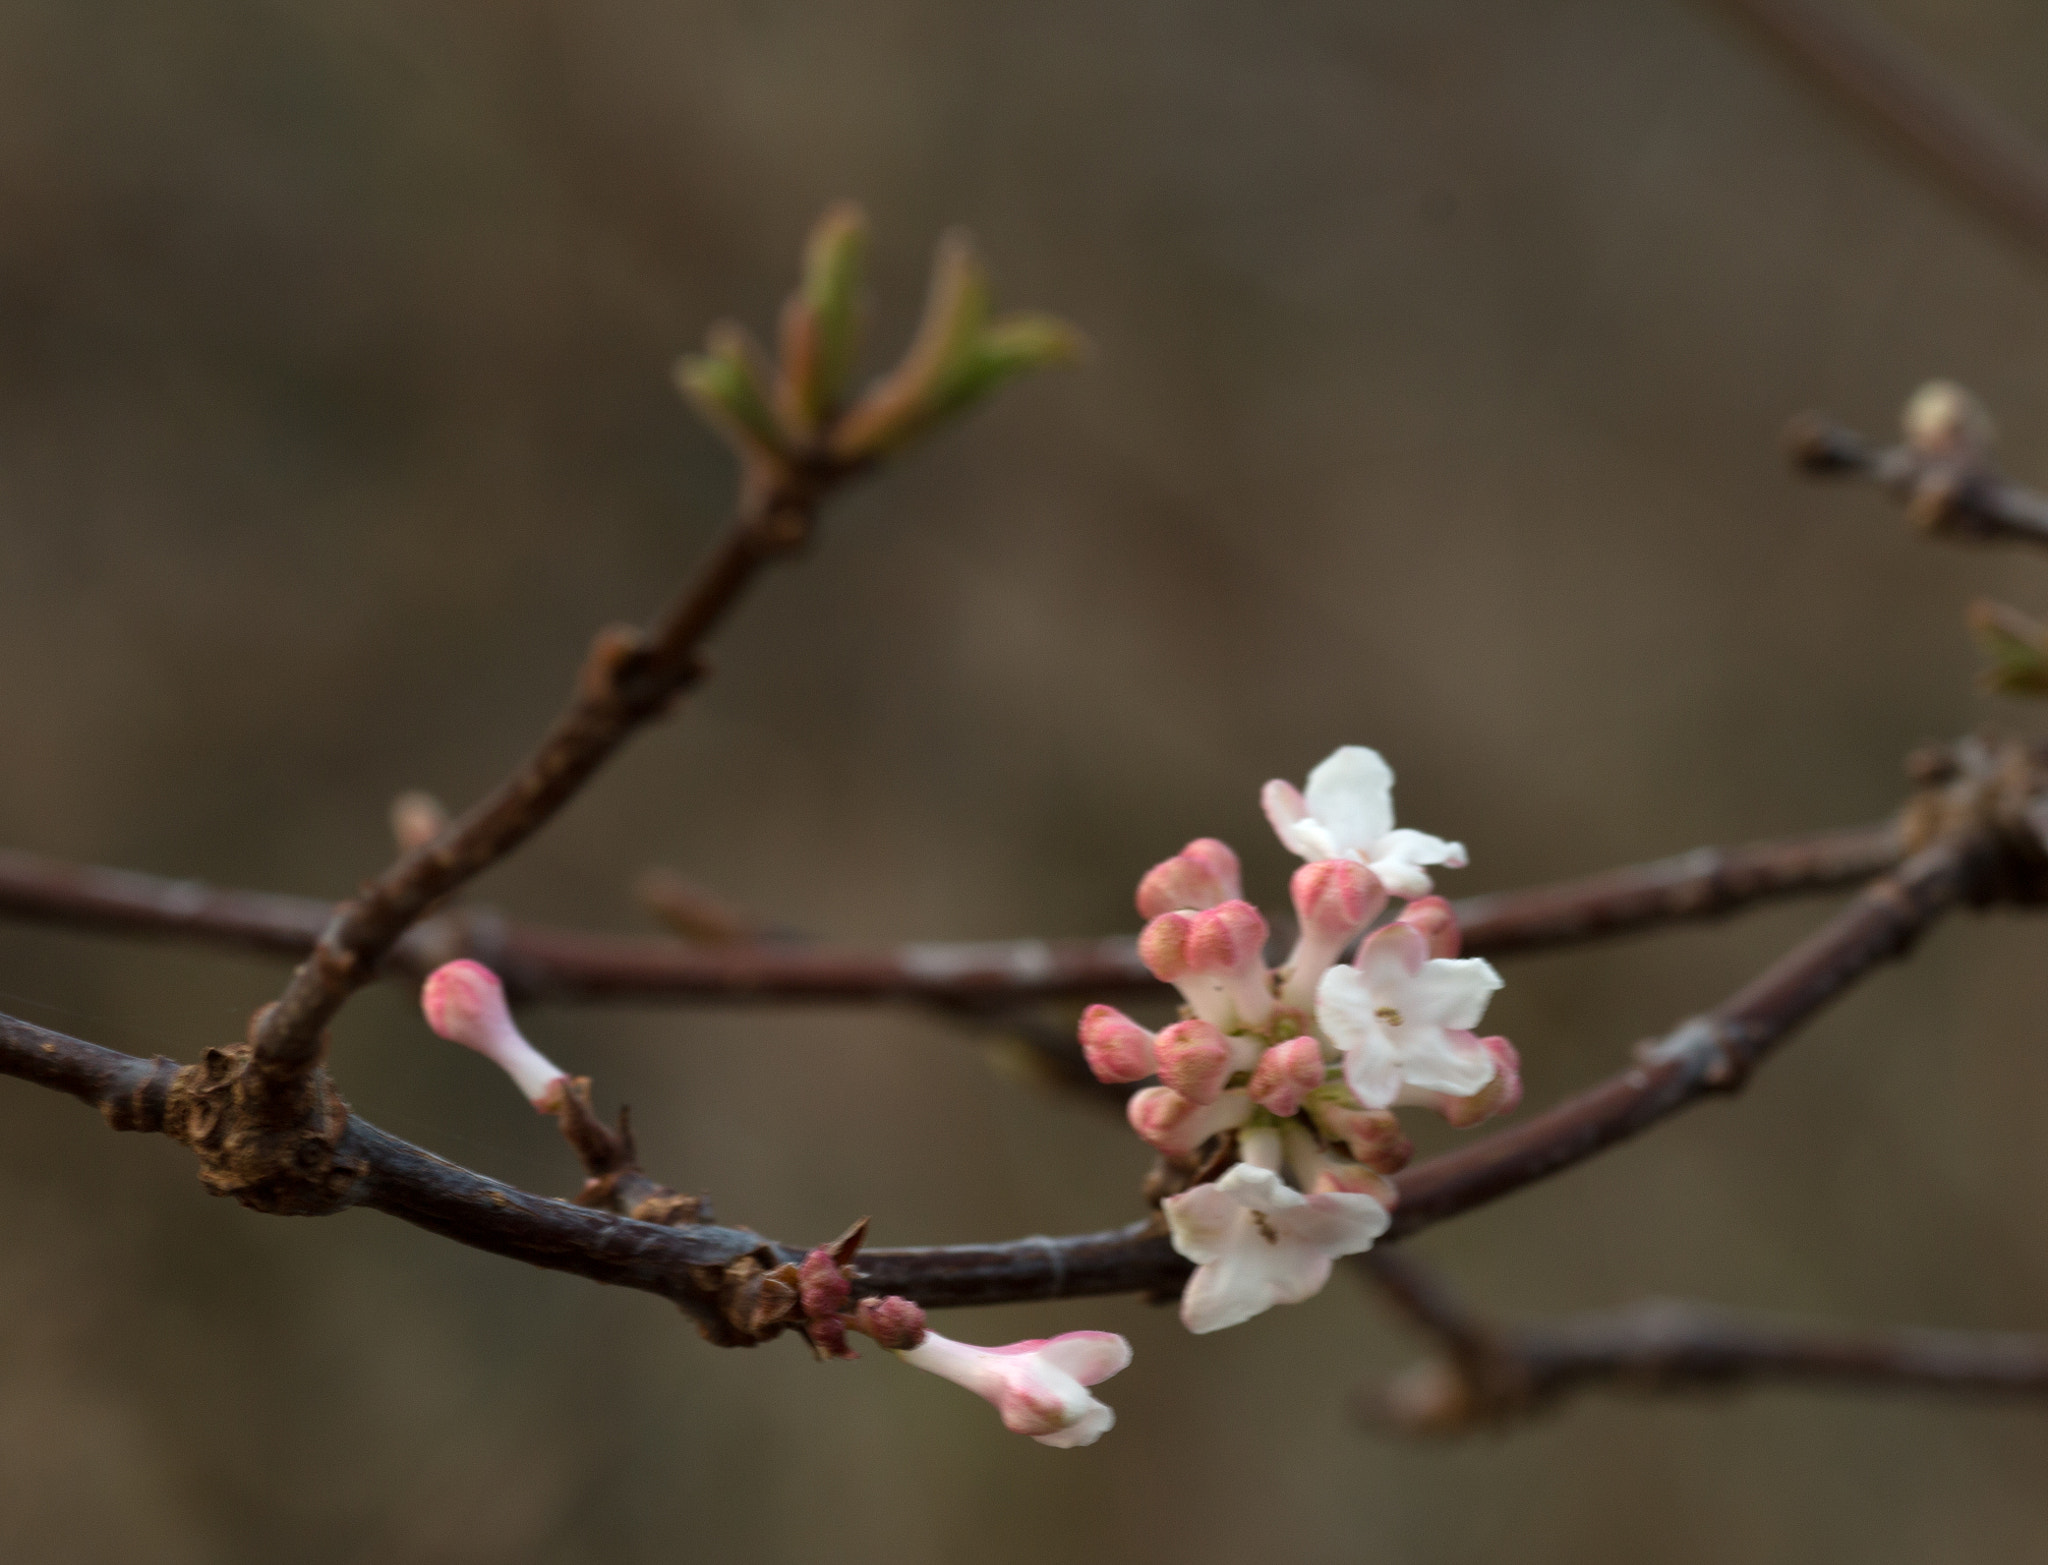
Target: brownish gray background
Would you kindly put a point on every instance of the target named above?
(1443, 351)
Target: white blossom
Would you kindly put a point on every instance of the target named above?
(1402, 1018)
(1348, 813)
(1039, 1387)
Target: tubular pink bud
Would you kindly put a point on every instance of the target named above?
(1201, 875)
(1163, 946)
(1337, 896)
(1118, 1049)
(1176, 1125)
(896, 1323)
(1437, 922)
(465, 1003)
(1372, 1136)
(1287, 1073)
(1228, 936)
(1194, 1060)
(1335, 899)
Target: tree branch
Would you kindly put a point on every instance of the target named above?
(1664, 1345)
(629, 678)
(539, 962)
(1955, 495)
(1978, 854)
(1992, 162)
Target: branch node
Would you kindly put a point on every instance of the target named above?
(275, 1146)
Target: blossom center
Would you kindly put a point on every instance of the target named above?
(1264, 1225)
(1389, 1015)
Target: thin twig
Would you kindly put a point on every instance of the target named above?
(628, 678)
(1961, 498)
(1663, 1346)
(1993, 162)
(538, 962)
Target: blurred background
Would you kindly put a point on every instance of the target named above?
(1443, 353)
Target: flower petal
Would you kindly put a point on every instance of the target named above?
(1388, 961)
(1288, 814)
(1446, 1060)
(1090, 1427)
(1089, 1356)
(1336, 1222)
(1451, 991)
(1351, 795)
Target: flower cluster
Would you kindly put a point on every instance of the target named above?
(1287, 1079)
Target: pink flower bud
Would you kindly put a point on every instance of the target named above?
(1287, 1073)
(1372, 1136)
(1039, 1387)
(896, 1323)
(1353, 1179)
(1216, 958)
(465, 1003)
(1337, 896)
(1163, 946)
(1201, 875)
(1228, 937)
(1438, 924)
(1118, 1049)
(1176, 1125)
(822, 1285)
(1194, 1060)
(1335, 899)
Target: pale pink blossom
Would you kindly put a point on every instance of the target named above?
(465, 1003)
(1402, 1018)
(1039, 1387)
(1347, 812)
(1201, 875)
(1257, 1242)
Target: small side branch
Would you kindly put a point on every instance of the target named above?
(1995, 164)
(1663, 1346)
(1950, 490)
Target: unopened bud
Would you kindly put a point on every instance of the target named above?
(1194, 1060)
(1176, 1125)
(1437, 922)
(1335, 899)
(465, 1003)
(822, 1285)
(1201, 875)
(1945, 422)
(1287, 1073)
(896, 1323)
(417, 818)
(1372, 1136)
(1118, 1049)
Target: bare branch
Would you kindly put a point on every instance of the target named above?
(1664, 1346)
(1952, 495)
(1995, 164)
(538, 962)
(629, 678)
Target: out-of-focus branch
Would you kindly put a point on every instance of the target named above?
(2001, 169)
(539, 962)
(1663, 1346)
(1982, 846)
(1948, 486)
(1705, 883)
